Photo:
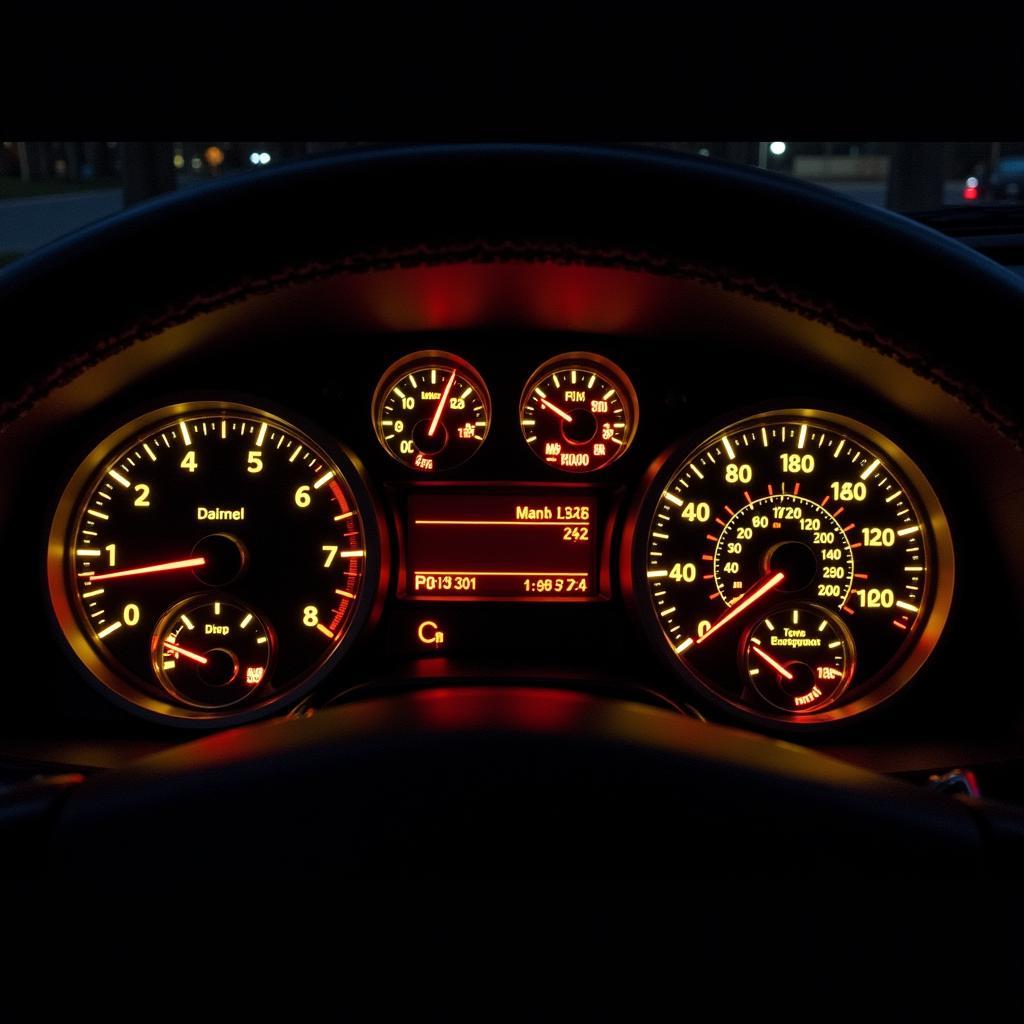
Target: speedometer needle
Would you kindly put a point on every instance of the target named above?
(784, 672)
(558, 412)
(755, 595)
(142, 570)
(186, 653)
(441, 404)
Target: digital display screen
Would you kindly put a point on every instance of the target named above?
(530, 545)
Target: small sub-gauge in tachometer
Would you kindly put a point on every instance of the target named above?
(578, 412)
(795, 567)
(209, 561)
(431, 411)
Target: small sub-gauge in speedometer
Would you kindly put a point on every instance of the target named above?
(431, 411)
(796, 566)
(578, 412)
(209, 561)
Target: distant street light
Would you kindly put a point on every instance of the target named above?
(777, 148)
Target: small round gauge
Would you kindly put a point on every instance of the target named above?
(431, 411)
(212, 556)
(800, 658)
(212, 651)
(792, 513)
(578, 412)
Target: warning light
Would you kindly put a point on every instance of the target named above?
(430, 634)
(254, 674)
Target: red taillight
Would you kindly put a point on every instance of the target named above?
(970, 192)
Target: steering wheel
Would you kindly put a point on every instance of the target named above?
(491, 778)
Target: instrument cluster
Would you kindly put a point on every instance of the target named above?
(219, 559)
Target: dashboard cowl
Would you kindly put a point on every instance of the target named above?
(882, 279)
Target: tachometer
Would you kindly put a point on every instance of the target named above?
(796, 566)
(211, 556)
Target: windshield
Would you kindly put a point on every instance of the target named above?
(49, 189)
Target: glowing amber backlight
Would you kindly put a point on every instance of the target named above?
(534, 546)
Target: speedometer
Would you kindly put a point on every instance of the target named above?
(210, 560)
(796, 566)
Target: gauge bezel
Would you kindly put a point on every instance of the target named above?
(426, 359)
(610, 371)
(889, 681)
(119, 687)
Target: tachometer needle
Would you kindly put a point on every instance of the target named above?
(142, 570)
(784, 672)
(186, 653)
(558, 412)
(741, 606)
(441, 404)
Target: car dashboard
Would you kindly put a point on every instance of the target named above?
(570, 524)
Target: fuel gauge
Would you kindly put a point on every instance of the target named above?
(578, 412)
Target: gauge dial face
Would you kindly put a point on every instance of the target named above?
(224, 517)
(578, 412)
(789, 511)
(431, 411)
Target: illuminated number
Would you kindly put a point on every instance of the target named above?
(703, 626)
(398, 426)
(302, 497)
(731, 568)
(810, 524)
(310, 616)
(761, 521)
(738, 474)
(878, 538)
(405, 447)
(745, 532)
(142, 501)
(825, 537)
(255, 462)
(876, 598)
(456, 403)
(575, 533)
(833, 572)
(700, 512)
(130, 615)
(598, 406)
(408, 403)
(829, 590)
(832, 555)
(797, 463)
(683, 573)
(788, 513)
(733, 548)
(189, 462)
(111, 550)
(332, 550)
(846, 491)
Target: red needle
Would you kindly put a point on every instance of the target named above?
(185, 563)
(558, 412)
(755, 595)
(784, 672)
(441, 404)
(185, 653)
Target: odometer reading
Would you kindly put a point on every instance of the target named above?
(216, 559)
(781, 526)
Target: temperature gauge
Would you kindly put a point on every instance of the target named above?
(431, 411)
(798, 658)
(578, 412)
